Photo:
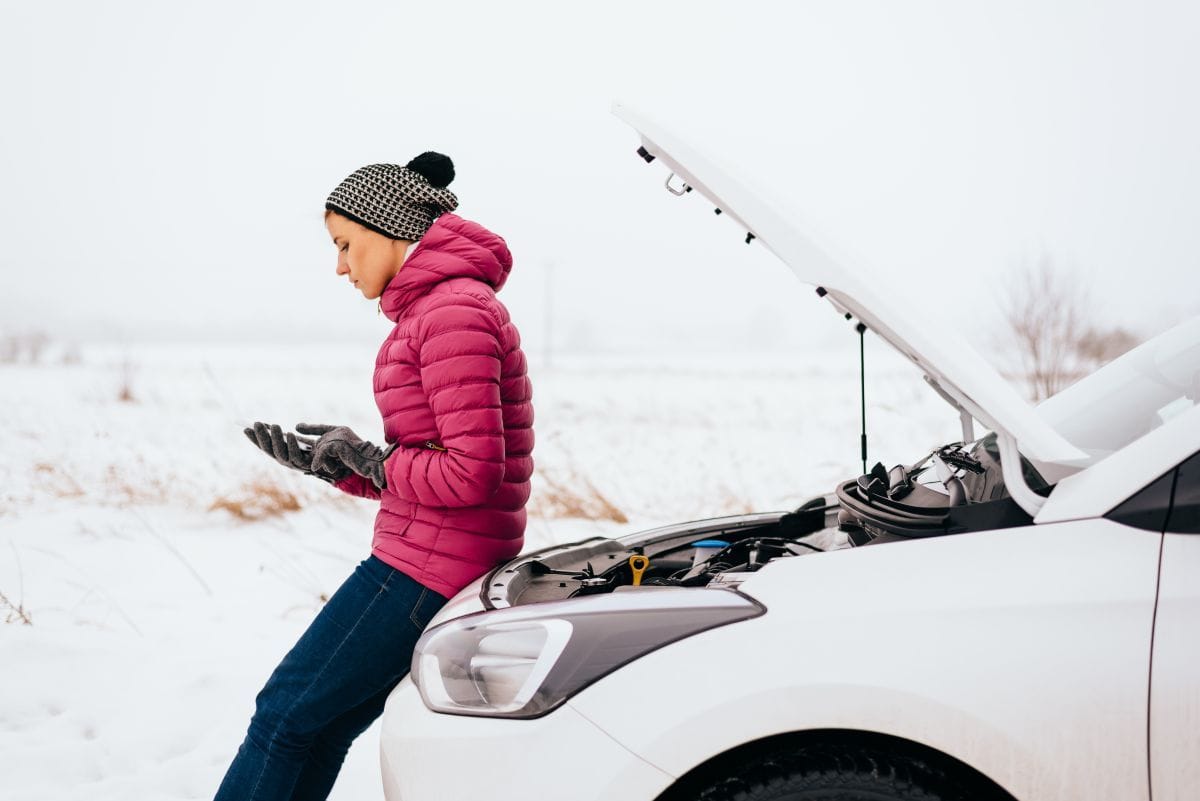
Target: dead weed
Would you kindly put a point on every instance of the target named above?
(147, 490)
(258, 500)
(576, 497)
(733, 504)
(61, 484)
(16, 612)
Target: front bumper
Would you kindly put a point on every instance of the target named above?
(429, 756)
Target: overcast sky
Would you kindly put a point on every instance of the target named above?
(164, 166)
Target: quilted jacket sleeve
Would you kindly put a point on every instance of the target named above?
(355, 484)
(459, 355)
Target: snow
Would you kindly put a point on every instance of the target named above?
(156, 617)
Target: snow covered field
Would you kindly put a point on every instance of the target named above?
(166, 565)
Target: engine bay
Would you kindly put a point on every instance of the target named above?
(954, 489)
(716, 553)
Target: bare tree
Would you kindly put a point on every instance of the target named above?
(35, 343)
(1045, 309)
(10, 349)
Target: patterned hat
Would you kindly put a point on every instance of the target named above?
(398, 202)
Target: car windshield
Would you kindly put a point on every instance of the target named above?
(1131, 395)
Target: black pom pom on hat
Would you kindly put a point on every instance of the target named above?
(437, 168)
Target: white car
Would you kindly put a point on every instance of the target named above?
(1016, 616)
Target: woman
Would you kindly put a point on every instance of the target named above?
(452, 482)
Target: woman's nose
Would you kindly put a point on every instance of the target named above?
(342, 268)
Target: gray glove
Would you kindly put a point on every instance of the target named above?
(339, 447)
(292, 451)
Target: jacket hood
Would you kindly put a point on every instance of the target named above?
(451, 248)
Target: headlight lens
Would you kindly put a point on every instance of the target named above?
(523, 662)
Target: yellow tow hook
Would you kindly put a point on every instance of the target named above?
(638, 565)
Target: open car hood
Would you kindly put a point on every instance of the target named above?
(954, 369)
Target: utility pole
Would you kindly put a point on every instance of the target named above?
(548, 308)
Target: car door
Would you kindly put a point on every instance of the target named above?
(1175, 664)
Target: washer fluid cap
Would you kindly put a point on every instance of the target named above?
(710, 544)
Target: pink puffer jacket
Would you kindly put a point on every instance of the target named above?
(451, 383)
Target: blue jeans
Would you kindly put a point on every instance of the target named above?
(330, 686)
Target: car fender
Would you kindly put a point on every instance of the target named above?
(1023, 653)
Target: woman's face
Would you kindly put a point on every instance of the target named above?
(367, 259)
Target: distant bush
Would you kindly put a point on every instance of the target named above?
(125, 390)
(1096, 348)
(71, 354)
(25, 346)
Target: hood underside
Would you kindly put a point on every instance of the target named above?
(957, 372)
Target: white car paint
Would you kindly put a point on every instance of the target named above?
(1175, 684)
(1022, 652)
(426, 756)
(1098, 489)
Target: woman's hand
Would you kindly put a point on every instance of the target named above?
(292, 451)
(340, 448)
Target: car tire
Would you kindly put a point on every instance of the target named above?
(833, 775)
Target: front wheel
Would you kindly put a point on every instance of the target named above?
(833, 775)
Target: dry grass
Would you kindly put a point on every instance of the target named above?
(60, 483)
(733, 504)
(125, 390)
(258, 500)
(147, 490)
(574, 497)
(17, 613)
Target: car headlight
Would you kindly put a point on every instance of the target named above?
(523, 662)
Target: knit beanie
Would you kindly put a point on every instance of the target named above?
(398, 202)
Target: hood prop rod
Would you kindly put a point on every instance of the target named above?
(861, 328)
